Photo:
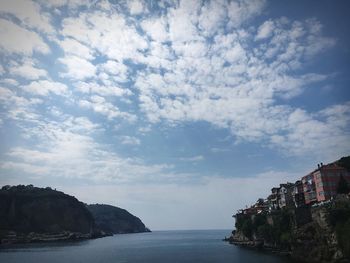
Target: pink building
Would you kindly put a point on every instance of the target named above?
(321, 184)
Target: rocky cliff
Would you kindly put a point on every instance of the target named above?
(32, 214)
(115, 220)
(314, 234)
(29, 214)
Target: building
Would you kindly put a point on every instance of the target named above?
(327, 178)
(298, 194)
(321, 184)
(309, 188)
(273, 199)
(285, 195)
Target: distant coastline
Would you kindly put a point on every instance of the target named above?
(30, 214)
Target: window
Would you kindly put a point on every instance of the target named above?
(321, 193)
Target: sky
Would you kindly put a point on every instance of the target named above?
(180, 112)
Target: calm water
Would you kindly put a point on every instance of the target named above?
(159, 246)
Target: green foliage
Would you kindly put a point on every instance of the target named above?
(344, 162)
(247, 228)
(266, 231)
(343, 186)
(280, 233)
(339, 217)
(282, 227)
(239, 222)
(26, 209)
(115, 220)
(343, 234)
(259, 220)
(339, 212)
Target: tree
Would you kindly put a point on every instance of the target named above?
(345, 162)
(343, 186)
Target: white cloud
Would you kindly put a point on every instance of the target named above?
(71, 4)
(118, 70)
(77, 68)
(74, 48)
(212, 17)
(101, 90)
(242, 10)
(156, 29)
(193, 159)
(17, 107)
(28, 70)
(136, 7)
(19, 40)
(45, 87)
(240, 84)
(182, 22)
(29, 13)
(106, 34)
(99, 105)
(87, 159)
(265, 30)
(11, 82)
(130, 140)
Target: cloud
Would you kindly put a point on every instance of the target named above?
(28, 70)
(136, 7)
(99, 105)
(72, 5)
(101, 90)
(219, 150)
(130, 140)
(115, 70)
(106, 34)
(77, 68)
(87, 159)
(11, 82)
(182, 22)
(45, 87)
(74, 48)
(193, 159)
(19, 40)
(156, 29)
(29, 13)
(212, 16)
(241, 11)
(190, 62)
(245, 86)
(17, 107)
(265, 30)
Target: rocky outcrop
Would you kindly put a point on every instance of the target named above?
(114, 220)
(323, 238)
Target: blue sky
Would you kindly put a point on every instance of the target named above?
(179, 111)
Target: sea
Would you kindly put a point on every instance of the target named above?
(158, 246)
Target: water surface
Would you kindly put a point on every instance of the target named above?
(158, 246)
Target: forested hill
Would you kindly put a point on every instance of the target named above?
(115, 220)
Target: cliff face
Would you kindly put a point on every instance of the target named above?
(319, 234)
(115, 220)
(30, 214)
